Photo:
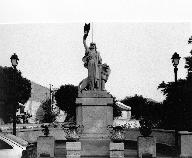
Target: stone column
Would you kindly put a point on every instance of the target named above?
(146, 145)
(95, 112)
(116, 150)
(185, 144)
(45, 146)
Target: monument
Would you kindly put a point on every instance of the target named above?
(94, 104)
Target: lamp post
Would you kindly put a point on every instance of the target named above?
(50, 91)
(175, 60)
(14, 61)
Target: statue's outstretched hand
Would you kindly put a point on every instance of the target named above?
(86, 30)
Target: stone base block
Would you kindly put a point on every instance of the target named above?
(116, 150)
(116, 146)
(95, 112)
(185, 144)
(94, 94)
(73, 156)
(146, 145)
(73, 149)
(95, 147)
(74, 152)
(117, 154)
(45, 146)
(73, 146)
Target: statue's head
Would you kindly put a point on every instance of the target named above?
(92, 46)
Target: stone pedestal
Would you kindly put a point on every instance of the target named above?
(146, 145)
(185, 144)
(45, 146)
(116, 150)
(73, 149)
(95, 112)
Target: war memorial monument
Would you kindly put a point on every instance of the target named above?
(94, 104)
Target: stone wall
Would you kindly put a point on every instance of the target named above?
(162, 136)
(31, 135)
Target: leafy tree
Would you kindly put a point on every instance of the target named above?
(44, 112)
(188, 66)
(175, 104)
(137, 104)
(17, 88)
(65, 99)
(143, 108)
(178, 101)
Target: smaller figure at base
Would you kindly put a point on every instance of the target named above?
(105, 72)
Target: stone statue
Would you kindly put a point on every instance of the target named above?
(98, 73)
(92, 60)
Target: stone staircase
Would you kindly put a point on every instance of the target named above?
(130, 150)
(60, 149)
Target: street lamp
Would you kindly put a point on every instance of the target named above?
(50, 92)
(14, 61)
(175, 60)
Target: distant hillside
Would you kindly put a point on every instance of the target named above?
(38, 95)
(38, 92)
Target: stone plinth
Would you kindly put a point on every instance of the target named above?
(146, 145)
(185, 144)
(94, 94)
(73, 149)
(116, 150)
(95, 112)
(45, 146)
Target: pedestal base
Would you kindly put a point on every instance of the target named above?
(185, 144)
(95, 147)
(73, 149)
(45, 146)
(146, 145)
(95, 112)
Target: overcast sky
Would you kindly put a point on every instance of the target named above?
(47, 36)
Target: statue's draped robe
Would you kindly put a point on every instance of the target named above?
(93, 60)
